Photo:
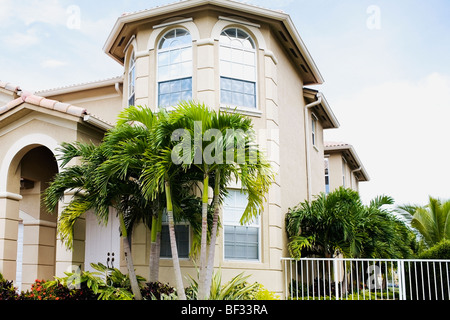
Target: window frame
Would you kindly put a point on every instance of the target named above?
(327, 175)
(257, 224)
(314, 123)
(222, 75)
(169, 79)
(132, 79)
(344, 173)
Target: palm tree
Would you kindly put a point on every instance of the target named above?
(224, 148)
(85, 179)
(340, 223)
(431, 221)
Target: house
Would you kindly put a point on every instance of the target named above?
(230, 55)
(343, 167)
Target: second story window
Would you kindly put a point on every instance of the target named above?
(237, 69)
(132, 80)
(174, 68)
(327, 175)
(314, 129)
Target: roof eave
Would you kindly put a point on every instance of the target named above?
(351, 149)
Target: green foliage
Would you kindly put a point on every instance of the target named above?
(431, 221)
(265, 295)
(340, 223)
(7, 290)
(157, 291)
(440, 251)
(236, 289)
(106, 284)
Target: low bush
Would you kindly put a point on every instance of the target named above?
(7, 290)
(157, 291)
(438, 252)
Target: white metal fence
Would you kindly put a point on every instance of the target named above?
(366, 279)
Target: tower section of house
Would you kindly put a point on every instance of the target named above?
(343, 167)
(237, 58)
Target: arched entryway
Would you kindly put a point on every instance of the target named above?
(36, 230)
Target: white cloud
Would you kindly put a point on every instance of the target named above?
(400, 130)
(46, 11)
(52, 63)
(19, 40)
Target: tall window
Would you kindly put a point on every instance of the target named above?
(132, 80)
(327, 175)
(344, 165)
(174, 68)
(241, 242)
(237, 69)
(182, 236)
(314, 129)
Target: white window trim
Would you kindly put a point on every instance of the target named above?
(259, 227)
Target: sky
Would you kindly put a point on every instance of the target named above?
(386, 65)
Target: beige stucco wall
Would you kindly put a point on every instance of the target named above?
(104, 102)
(337, 172)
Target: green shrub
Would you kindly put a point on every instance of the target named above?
(157, 291)
(439, 251)
(236, 289)
(264, 294)
(7, 290)
(53, 290)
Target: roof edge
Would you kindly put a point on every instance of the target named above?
(342, 146)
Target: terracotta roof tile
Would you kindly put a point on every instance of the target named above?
(329, 144)
(61, 107)
(9, 86)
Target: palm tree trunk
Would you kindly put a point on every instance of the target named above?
(202, 292)
(155, 248)
(173, 245)
(212, 243)
(129, 260)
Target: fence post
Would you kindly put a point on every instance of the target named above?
(401, 280)
(336, 283)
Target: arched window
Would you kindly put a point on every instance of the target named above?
(131, 80)
(237, 69)
(174, 68)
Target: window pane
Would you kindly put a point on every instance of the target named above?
(186, 84)
(182, 236)
(186, 54)
(225, 84)
(163, 58)
(225, 97)
(163, 73)
(225, 69)
(237, 98)
(237, 86)
(164, 100)
(249, 58)
(249, 88)
(164, 88)
(249, 101)
(187, 95)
